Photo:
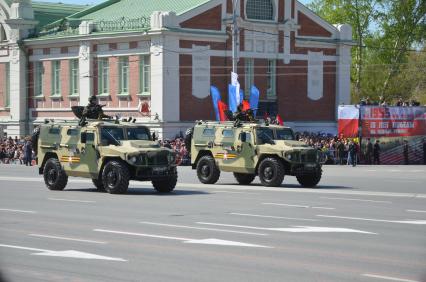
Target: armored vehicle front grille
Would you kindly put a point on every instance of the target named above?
(157, 158)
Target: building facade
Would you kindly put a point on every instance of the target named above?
(155, 60)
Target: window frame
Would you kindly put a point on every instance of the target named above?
(38, 79)
(56, 78)
(103, 76)
(249, 74)
(74, 77)
(271, 76)
(274, 12)
(124, 72)
(145, 74)
(7, 79)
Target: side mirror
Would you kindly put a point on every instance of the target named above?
(83, 137)
(243, 137)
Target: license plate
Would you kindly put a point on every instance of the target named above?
(159, 170)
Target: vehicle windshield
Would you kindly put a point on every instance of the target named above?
(138, 133)
(284, 134)
(112, 135)
(264, 135)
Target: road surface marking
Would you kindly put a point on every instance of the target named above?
(209, 241)
(21, 211)
(68, 200)
(201, 228)
(231, 192)
(415, 211)
(360, 200)
(295, 229)
(388, 278)
(345, 192)
(66, 238)
(65, 254)
(416, 222)
(298, 206)
(271, 216)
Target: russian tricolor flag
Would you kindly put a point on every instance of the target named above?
(348, 121)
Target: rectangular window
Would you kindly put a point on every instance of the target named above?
(74, 77)
(249, 72)
(38, 78)
(103, 76)
(271, 78)
(56, 78)
(145, 74)
(124, 75)
(7, 78)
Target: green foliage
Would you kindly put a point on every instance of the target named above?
(385, 32)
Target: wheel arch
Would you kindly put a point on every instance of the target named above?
(114, 158)
(48, 155)
(201, 154)
(286, 164)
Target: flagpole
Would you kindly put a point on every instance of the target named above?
(234, 36)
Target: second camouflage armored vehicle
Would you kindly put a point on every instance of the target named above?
(109, 153)
(252, 149)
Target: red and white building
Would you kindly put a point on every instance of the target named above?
(156, 60)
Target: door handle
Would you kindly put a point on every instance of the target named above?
(64, 145)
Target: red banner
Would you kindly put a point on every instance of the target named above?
(379, 121)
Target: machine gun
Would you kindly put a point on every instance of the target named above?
(89, 112)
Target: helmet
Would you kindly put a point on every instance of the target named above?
(92, 98)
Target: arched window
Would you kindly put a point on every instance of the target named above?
(2, 33)
(260, 10)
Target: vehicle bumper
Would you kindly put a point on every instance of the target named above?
(305, 169)
(149, 173)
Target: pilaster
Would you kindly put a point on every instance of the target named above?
(343, 67)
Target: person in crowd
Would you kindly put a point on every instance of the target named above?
(28, 153)
(368, 151)
(352, 152)
(376, 152)
(405, 150)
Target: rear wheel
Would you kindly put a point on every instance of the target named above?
(310, 180)
(207, 171)
(165, 185)
(244, 178)
(98, 184)
(54, 176)
(115, 177)
(271, 172)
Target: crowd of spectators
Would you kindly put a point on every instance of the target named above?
(179, 146)
(16, 151)
(399, 102)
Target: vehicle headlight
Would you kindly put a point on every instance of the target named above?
(171, 158)
(133, 159)
(288, 156)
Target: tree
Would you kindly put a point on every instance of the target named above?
(360, 14)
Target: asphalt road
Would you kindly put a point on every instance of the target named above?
(366, 223)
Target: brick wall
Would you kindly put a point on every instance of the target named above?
(210, 20)
(310, 28)
(113, 81)
(3, 85)
(293, 101)
(65, 83)
(134, 80)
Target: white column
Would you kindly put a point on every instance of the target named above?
(343, 67)
(85, 66)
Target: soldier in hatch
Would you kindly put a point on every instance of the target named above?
(93, 111)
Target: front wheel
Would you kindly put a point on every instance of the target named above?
(310, 180)
(271, 172)
(54, 175)
(207, 171)
(244, 178)
(98, 184)
(165, 185)
(115, 177)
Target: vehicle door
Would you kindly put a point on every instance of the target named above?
(68, 152)
(89, 153)
(246, 152)
(224, 148)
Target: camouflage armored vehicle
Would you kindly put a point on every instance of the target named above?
(252, 149)
(109, 153)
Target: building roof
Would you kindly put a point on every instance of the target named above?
(46, 13)
(132, 9)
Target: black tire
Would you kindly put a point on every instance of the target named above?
(207, 171)
(98, 184)
(165, 185)
(244, 178)
(310, 180)
(54, 176)
(271, 172)
(115, 177)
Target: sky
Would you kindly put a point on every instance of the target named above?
(91, 2)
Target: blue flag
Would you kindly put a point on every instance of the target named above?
(232, 98)
(254, 99)
(215, 98)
